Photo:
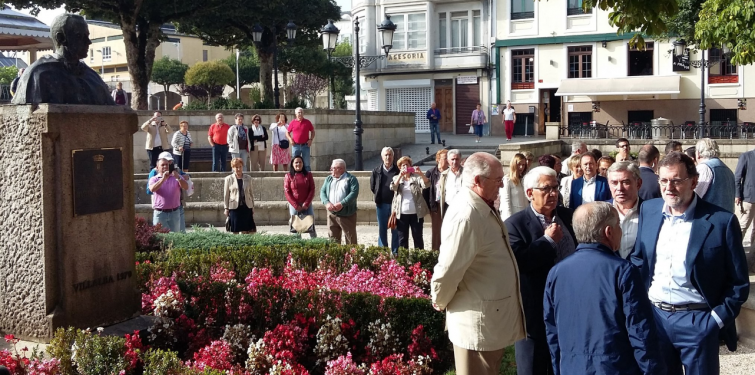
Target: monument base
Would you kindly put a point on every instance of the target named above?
(67, 206)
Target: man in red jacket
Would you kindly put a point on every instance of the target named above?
(218, 137)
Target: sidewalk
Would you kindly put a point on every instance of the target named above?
(419, 149)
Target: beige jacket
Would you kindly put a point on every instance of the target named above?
(476, 279)
(165, 138)
(231, 192)
(418, 184)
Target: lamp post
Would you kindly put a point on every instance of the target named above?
(257, 31)
(386, 29)
(329, 38)
(238, 95)
(680, 48)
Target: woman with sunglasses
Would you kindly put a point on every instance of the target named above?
(258, 146)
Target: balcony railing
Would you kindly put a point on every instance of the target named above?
(522, 15)
(577, 11)
(5, 95)
(644, 130)
(477, 50)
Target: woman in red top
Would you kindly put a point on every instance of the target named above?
(299, 187)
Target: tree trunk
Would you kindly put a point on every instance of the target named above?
(140, 54)
(266, 74)
(286, 88)
(165, 95)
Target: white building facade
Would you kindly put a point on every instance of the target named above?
(440, 54)
(557, 62)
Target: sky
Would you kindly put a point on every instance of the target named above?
(47, 16)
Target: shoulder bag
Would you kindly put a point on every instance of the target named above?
(282, 142)
(302, 223)
(392, 219)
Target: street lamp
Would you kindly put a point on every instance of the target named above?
(680, 49)
(257, 31)
(102, 62)
(238, 95)
(386, 29)
(329, 38)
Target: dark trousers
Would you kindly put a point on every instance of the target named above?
(219, 157)
(410, 222)
(532, 357)
(153, 154)
(182, 161)
(688, 339)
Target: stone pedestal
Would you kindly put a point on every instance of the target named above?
(67, 208)
(551, 130)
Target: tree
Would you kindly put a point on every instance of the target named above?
(208, 76)
(641, 17)
(307, 86)
(166, 72)
(8, 74)
(239, 17)
(140, 22)
(344, 81)
(249, 68)
(728, 23)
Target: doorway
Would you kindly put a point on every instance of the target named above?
(444, 99)
(550, 109)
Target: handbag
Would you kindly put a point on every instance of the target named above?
(302, 223)
(392, 219)
(282, 143)
(471, 129)
(227, 224)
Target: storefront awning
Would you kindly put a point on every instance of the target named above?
(639, 85)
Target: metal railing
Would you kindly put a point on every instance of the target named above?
(461, 50)
(5, 95)
(645, 130)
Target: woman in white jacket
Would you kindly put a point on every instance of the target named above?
(238, 140)
(513, 198)
(576, 172)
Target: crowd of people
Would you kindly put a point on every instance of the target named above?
(628, 264)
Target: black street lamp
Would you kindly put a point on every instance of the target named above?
(257, 31)
(329, 39)
(386, 29)
(680, 49)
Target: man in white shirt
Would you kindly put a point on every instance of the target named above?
(590, 187)
(450, 182)
(691, 259)
(624, 181)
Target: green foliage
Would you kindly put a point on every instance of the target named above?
(249, 68)
(167, 71)
(209, 75)
(641, 17)
(159, 362)
(8, 74)
(93, 354)
(264, 104)
(729, 23)
(294, 103)
(195, 105)
(206, 239)
(255, 94)
(682, 23)
(219, 103)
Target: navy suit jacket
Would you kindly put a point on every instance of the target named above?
(650, 188)
(715, 258)
(602, 191)
(598, 318)
(744, 177)
(534, 256)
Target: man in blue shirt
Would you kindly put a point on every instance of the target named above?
(433, 115)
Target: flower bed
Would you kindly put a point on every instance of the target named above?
(285, 307)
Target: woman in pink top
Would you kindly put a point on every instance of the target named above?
(299, 188)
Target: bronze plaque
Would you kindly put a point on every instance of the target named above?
(97, 181)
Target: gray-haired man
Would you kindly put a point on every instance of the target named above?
(624, 181)
(380, 185)
(339, 195)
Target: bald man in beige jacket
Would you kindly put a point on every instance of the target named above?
(476, 279)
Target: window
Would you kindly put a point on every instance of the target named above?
(580, 62)
(477, 28)
(522, 9)
(364, 37)
(91, 56)
(204, 55)
(442, 25)
(579, 118)
(459, 30)
(522, 69)
(721, 116)
(98, 40)
(720, 64)
(115, 37)
(411, 31)
(574, 7)
(641, 61)
(106, 54)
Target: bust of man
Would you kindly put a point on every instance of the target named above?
(62, 78)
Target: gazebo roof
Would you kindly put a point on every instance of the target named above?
(21, 32)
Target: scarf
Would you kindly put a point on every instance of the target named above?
(242, 133)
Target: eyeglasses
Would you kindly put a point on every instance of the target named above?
(547, 190)
(675, 182)
(497, 180)
(623, 146)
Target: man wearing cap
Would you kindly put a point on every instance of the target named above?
(168, 156)
(166, 188)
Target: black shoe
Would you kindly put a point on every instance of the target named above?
(432, 143)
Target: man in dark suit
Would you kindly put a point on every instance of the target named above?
(693, 265)
(590, 187)
(624, 180)
(744, 180)
(540, 236)
(597, 315)
(648, 158)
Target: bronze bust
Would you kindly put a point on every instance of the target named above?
(61, 78)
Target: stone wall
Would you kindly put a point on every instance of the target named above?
(334, 132)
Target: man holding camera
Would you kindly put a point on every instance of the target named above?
(158, 137)
(166, 190)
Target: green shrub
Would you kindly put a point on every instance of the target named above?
(195, 105)
(255, 94)
(294, 103)
(159, 362)
(264, 104)
(229, 103)
(205, 239)
(93, 354)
